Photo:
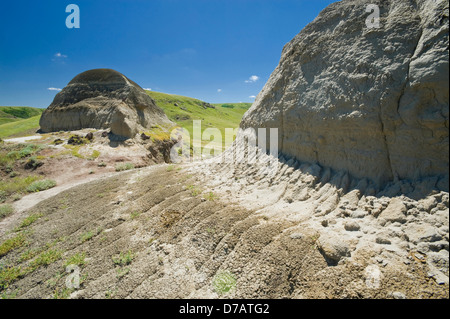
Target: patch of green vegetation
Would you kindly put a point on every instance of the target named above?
(87, 236)
(29, 220)
(12, 243)
(63, 293)
(20, 112)
(9, 275)
(41, 185)
(28, 254)
(16, 185)
(223, 282)
(77, 259)
(20, 127)
(9, 295)
(194, 190)
(74, 150)
(135, 214)
(122, 272)
(94, 155)
(169, 168)
(183, 110)
(124, 167)
(158, 133)
(10, 153)
(46, 258)
(6, 210)
(211, 196)
(54, 280)
(123, 259)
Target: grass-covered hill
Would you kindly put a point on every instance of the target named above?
(183, 110)
(18, 120)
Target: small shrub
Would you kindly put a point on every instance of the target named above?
(33, 163)
(87, 236)
(123, 259)
(223, 282)
(211, 196)
(122, 272)
(229, 106)
(77, 259)
(41, 185)
(6, 210)
(124, 167)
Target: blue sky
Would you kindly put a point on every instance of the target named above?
(213, 50)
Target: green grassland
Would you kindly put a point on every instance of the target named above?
(18, 120)
(184, 110)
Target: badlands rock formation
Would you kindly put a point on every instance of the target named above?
(369, 101)
(101, 99)
(363, 141)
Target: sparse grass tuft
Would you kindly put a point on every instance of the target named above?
(194, 190)
(94, 155)
(64, 293)
(211, 196)
(223, 282)
(124, 167)
(41, 185)
(6, 210)
(29, 220)
(135, 214)
(77, 259)
(123, 259)
(87, 236)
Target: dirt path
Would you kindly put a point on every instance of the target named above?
(23, 139)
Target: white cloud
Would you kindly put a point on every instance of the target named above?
(219, 90)
(59, 55)
(252, 79)
(54, 89)
(252, 96)
(148, 89)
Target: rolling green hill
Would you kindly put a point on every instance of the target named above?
(20, 120)
(16, 113)
(183, 110)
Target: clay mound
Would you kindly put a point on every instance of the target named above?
(371, 102)
(101, 99)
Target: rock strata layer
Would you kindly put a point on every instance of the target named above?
(370, 101)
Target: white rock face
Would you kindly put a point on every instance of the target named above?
(372, 102)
